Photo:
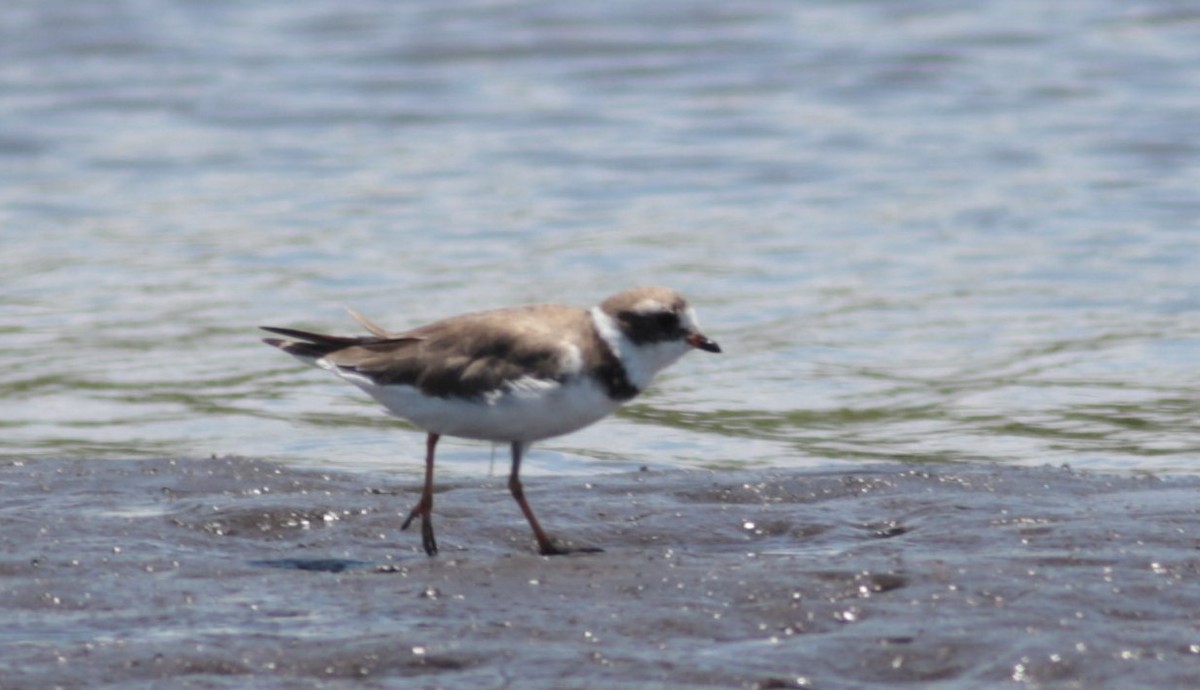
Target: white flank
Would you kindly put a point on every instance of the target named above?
(571, 362)
(528, 409)
(524, 410)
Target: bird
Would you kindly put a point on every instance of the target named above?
(512, 375)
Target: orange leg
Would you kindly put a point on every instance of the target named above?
(546, 545)
(424, 507)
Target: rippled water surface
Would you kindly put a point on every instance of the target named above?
(921, 231)
(964, 236)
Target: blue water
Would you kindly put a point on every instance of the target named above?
(921, 231)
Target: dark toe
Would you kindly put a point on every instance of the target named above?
(558, 548)
(427, 539)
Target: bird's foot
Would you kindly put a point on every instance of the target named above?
(424, 511)
(554, 547)
(427, 540)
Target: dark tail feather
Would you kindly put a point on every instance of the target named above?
(314, 338)
(309, 344)
(305, 351)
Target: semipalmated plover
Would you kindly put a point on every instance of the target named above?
(515, 375)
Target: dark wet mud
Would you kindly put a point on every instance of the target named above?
(232, 573)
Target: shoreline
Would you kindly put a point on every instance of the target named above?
(147, 570)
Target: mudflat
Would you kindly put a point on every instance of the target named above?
(232, 572)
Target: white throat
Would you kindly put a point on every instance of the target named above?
(641, 362)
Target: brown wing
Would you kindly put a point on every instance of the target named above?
(469, 355)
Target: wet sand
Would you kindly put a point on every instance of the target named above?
(231, 572)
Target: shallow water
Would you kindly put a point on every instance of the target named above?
(961, 237)
(237, 573)
(926, 233)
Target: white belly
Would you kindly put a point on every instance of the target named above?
(528, 411)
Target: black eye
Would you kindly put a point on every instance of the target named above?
(651, 327)
(668, 322)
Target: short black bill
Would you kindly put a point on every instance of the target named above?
(700, 342)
